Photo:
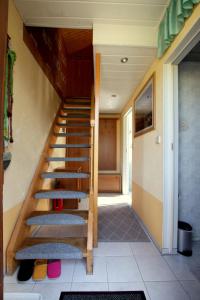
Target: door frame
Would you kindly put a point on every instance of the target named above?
(125, 185)
(170, 137)
(3, 46)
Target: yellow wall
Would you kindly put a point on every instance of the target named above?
(147, 155)
(35, 104)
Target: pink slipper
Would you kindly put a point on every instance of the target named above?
(54, 268)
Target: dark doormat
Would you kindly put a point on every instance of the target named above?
(137, 295)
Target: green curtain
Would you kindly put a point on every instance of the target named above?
(172, 23)
(10, 60)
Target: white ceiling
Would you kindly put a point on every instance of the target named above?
(117, 78)
(121, 79)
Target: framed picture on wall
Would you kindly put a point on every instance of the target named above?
(144, 108)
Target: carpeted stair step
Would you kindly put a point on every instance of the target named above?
(67, 175)
(55, 219)
(75, 116)
(77, 212)
(78, 159)
(80, 124)
(75, 99)
(71, 134)
(52, 248)
(76, 108)
(70, 146)
(59, 194)
(78, 102)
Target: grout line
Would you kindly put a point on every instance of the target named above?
(171, 269)
(107, 270)
(75, 262)
(184, 288)
(141, 276)
(147, 290)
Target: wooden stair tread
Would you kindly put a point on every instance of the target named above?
(74, 125)
(70, 146)
(68, 159)
(81, 213)
(56, 219)
(52, 248)
(59, 194)
(72, 134)
(77, 242)
(76, 106)
(63, 174)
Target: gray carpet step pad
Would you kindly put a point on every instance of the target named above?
(75, 116)
(75, 100)
(64, 175)
(75, 108)
(70, 146)
(56, 219)
(88, 103)
(77, 212)
(49, 250)
(67, 159)
(71, 134)
(80, 124)
(59, 194)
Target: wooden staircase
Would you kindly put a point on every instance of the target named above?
(74, 120)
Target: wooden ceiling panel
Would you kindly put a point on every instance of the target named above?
(66, 57)
(76, 40)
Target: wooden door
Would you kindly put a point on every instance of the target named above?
(107, 144)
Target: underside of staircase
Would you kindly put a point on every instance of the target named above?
(72, 133)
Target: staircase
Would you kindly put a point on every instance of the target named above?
(74, 122)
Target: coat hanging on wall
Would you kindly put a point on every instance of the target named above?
(8, 104)
(8, 99)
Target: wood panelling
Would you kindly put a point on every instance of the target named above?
(66, 57)
(77, 41)
(80, 77)
(107, 144)
(3, 44)
(110, 183)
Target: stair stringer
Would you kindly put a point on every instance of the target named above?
(22, 230)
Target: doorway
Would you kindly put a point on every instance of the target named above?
(127, 153)
(174, 127)
(188, 141)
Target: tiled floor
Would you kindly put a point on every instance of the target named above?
(123, 266)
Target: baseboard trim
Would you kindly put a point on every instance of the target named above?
(165, 251)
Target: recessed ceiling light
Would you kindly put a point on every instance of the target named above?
(124, 60)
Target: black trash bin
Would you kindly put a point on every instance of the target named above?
(184, 238)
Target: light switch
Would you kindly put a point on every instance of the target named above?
(158, 139)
